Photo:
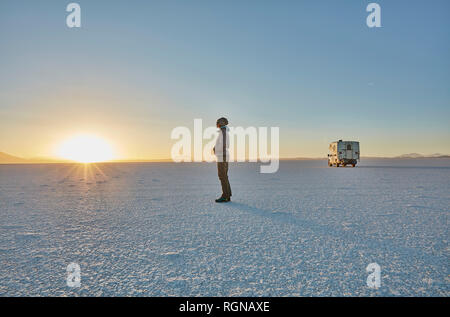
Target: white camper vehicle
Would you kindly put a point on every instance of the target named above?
(343, 153)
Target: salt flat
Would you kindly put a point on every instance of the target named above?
(153, 229)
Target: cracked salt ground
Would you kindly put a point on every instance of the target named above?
(154, 230)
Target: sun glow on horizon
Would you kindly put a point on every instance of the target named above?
(85, 148)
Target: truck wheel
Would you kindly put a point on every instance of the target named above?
(353, 165)
(337, 164)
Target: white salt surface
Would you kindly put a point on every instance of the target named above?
(153, 229)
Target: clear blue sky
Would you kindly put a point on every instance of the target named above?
(137, 69)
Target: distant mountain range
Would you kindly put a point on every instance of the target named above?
(11, 159)
(417, 155)
(403, 156)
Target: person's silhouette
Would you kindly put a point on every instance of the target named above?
(221, 152)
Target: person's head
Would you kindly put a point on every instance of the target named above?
(221, 122)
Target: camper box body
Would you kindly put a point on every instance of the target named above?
(343, 153)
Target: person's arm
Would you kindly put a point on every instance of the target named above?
(218, 146)
(224, 144)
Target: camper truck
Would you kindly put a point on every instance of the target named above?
(343, 153)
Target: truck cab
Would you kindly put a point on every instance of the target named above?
(343, 153)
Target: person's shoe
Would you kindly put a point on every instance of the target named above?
(222, 200)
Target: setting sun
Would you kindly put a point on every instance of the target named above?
(85, 149)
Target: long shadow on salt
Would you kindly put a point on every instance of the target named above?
(335, 232)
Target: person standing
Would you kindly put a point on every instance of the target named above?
(221, 152)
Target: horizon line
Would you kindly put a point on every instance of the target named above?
(56, 161)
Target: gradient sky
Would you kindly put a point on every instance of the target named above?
(137, 69)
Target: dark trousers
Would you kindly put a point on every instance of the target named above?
(222, 169)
